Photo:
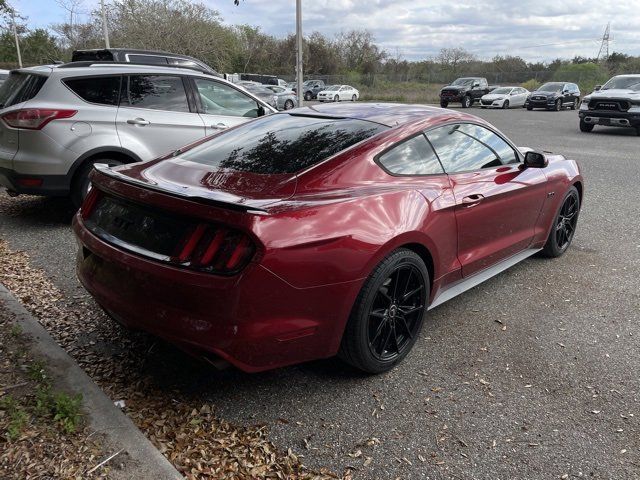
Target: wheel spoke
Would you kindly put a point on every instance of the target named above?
(410, 310)
(386, 340)
(406, 327)
(412, 293)
(377, 313)
(395, 339)
(395, 284)
(378, 332)
(406, 285)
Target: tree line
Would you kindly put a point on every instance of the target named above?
(193, 28)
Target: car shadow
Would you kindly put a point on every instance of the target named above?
(40, 210)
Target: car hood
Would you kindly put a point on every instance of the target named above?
(189, 179)
(454, 87)
(546, 94)
(615, 93)
(494, 96)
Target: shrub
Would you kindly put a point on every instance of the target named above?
(586, 75)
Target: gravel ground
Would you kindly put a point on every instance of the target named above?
(533, 374)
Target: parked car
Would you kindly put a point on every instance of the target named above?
(4, 74)
(285, 97)
(505, 97)
(263, 79)
(57, 121)
(145, 57)
(331, 230)
(261, 91)
(554, 96)
(615, 104)
(337, 93)
(465, 90)
(311, 88)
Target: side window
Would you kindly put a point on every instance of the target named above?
(157, 92)
(147, 59)
(467, 147)
(101, 90)
(220, 99)
(411, 157)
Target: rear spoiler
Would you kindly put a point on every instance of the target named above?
(189, 194)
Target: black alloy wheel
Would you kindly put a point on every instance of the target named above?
(388, 314)
(444, 104)
(558, 105)
(564, 225)
(505, 104)
(288, 105)
(308, 96)
(336, 98)
(354, 97)
(466, 101)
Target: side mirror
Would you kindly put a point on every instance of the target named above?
(535, 160)
(261, 111)
(475, 85)
(597, 87)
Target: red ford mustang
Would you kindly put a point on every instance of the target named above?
(320, 231)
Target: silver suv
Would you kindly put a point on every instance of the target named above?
(56, 122)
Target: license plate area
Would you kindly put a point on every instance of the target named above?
(604, 121)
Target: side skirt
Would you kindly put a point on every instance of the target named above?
(468, 283)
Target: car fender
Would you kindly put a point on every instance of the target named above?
(98, 151)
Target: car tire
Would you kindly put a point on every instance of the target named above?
(574, 105)
(444, 104)
(466, 101)
(288, 105)
(586, 127)
(505, 104)
(564, 225)
(482, 106)
(354, 98)
(529, 108)
(81, 184)
(336, 98)
(558, 105)
(638, 130)
(380, 331)
(308, 96)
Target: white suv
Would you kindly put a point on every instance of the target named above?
(57, 121)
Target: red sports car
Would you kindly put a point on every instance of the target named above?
(319, 231)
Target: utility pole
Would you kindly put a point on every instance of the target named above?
(104, 25)
(299, 52)
(15, 36)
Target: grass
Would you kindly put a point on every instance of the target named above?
(404, 92)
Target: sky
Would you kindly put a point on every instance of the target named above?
(539, 30)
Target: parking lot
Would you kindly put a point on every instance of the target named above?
(533, 374)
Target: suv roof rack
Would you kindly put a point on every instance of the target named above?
(91, 63)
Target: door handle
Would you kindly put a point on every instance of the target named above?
(472, 200)
(219, 126)
(138, 121)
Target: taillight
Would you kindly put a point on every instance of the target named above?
(89, 203)
(215, 249)
(35, 118)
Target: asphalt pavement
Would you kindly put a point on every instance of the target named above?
(535, 374)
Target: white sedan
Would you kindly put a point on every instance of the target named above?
(504, 97)
(336, 93)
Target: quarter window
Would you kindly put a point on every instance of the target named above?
(220, 99)
(157, 92)
(412, 157)
(467, 147)
(101, 90)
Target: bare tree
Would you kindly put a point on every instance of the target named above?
(452, 58)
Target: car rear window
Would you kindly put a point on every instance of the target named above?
(20, 87)
(101, 90)
(282, 143)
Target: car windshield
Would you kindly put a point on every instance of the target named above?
(333, 87)
(551, 87)
(258, 89)
(281, 143)
(463, 81)
(502, 91)
(625, 83)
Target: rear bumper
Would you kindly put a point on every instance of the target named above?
(608, 118)
(50, 185)
(255, 320)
